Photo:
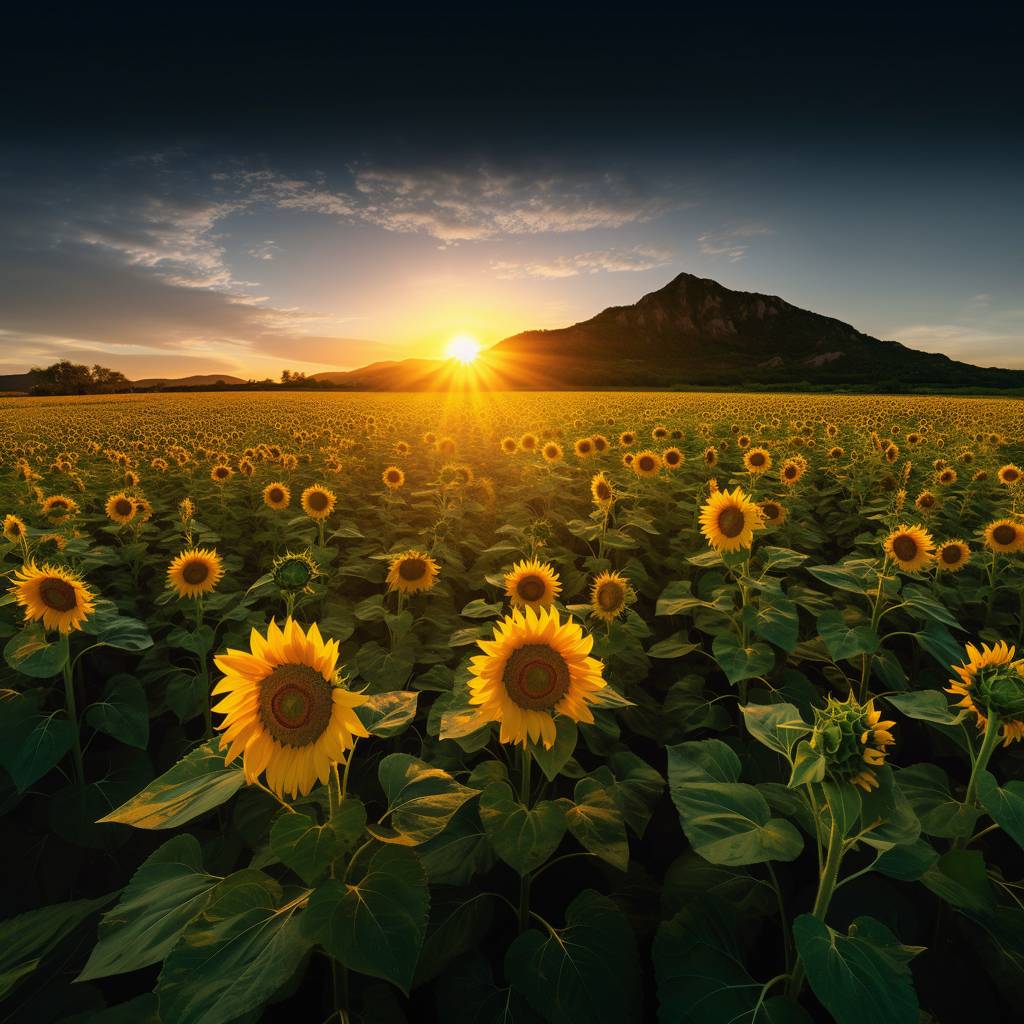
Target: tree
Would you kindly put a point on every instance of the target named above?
(286, 376)
(67, 378)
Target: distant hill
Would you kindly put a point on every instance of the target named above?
(22, 382)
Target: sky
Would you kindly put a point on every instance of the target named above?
(188, 192)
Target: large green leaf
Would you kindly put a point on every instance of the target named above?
(675, 646)
(167, 891)
(467, 994)
(122, 712)
(421, 800)
(309, 848)
(459, 921)
(1004, 803)
(926, 705)
(596, 821)
(377, 925)
(777, 726)
(926, 787)
(726, 821)
(32, 741)
(739, 662)
(847, 634)
(863, 975)
(461, 851)
(199, 782)
(635, 787)
(774, 618)
(586, 973)
(552, 761)
(388, 714)
(523, 838)
(31, 653)
(235, 956)
(112, 629)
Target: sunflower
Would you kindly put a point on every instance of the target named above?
(195, 572)
(393, 478)
(509, 445)
(221, 474)
(1004, 536)
(926, 501)
(536, 667)
(627, 439)
(552, 452)
(910, 547)
(532, 584)
(952, 556)
(285, 709)
(992, 682)
(601, 490)
(1009, 474)
(14, 528)
(318, 501)
(646, 464)
(710, 456)
(774, 512)
(852, 738)
(672, 458)
(120, 508)
(53, 594)
(728, 520)
(791, 471)
(294, 571)
(411, 572)
(609, 595)
(583, 447)
(946, 477)
(277, 496)
(59, 507)
(757, 460)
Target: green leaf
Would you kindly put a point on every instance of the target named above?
(32, 741)
(123, 712)
(863, 975)
(199, 782)
(26, 939)
(388, 714)
(774, 618)
(112, 629)
(376, 926)
(907, 863)
(779, 558)
(466, 994)
(925, 705)
(587, 973)
(235, 956)
(459, 921)
(960, 877)
(596, 822)
(726, 821)
(461, 851)
(552, 761)
(777, 726)
(923, 604)
(847, 634)
(480, 609)
(926, 788)
(31, 653)
(636, 788)
(675, 646)
(421, 800)
(522, 838)
(1004, 803)
(739, 662)
(166, 892)
(853, 576)
(937, 641)
(677, 598)
(309, 849)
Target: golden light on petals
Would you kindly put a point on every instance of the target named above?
(195, 572)
(52, 595)
(729, 518)
(412, 572)
(532, 584)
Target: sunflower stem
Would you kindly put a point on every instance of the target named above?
(876, 615)
(525, 761)
(988, 745)
(72, 710)
(204, 672)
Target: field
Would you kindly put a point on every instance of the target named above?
(582, 708)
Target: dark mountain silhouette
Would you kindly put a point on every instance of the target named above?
(22, 382)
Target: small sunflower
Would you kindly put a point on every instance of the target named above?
(285, 709)
(757, 460)
(710, 456)
(59, 507)
(910, 547)
(627, 439)
(774, 512)
(1009, 474)
(318, 501)
(221, 474)
(672, 458)
(609, 596)
(120, 508)
(728, 520)
(393, 478)
(926, 501)
(195, 572)
(277, 496)
(990, 682)
(14, 528)
(54, 595)
(952, 556)
(412, 572)
(601, 490)
(791, 471)
(535, 668)
(552, 452)
(852, 737)
(509, 445)
(532, 584)
(946, 477)
(646, 464)
(1004, 536)
(583, 447)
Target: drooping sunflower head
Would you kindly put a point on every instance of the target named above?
(672, 458)
(277, 496)
(852, 737)
(195, 572)
(609, 596)
(646, 464)
(1004, 536)
(757, 460)
(53, 595)
(294, 571)
(952, 556)
(773, 512)
(729, 518)
(412, 572)
(14, 528)
(946, 476)
(120, 508)
(535, 667)
(59, 507)
(532, 584)
(600, 443)
(393, 478)
(910, 547)
(991, 681)
(1010, 475)
(711, 456)
(318, 501)
(285, 709)
(601, 490)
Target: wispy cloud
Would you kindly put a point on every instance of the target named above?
(731, 243)
(981, 344)
(599, 261)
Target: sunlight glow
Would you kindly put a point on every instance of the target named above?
(463, 347)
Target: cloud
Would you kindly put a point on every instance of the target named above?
(600, 261)
(982, 345)
(731, 243)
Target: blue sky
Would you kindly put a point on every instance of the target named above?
(388, 196)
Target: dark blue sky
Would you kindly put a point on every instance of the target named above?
(186, 192)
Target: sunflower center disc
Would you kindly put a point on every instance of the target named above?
(531, 588)
(610, 596)
(731, 522)
(756, 459)
(770, 511)
(123, 507)
(1004, 534)
(412, 569)
(604, 492)
(276, 495)
(1011, 475)
(58, 595)
(295, 705)
(647, 463)
(950, 555)
(905, 548)
(195, 573)
(318, 501)
(536, 677)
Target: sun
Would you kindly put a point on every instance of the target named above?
(463, 347)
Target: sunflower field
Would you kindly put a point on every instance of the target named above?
(473, 708)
